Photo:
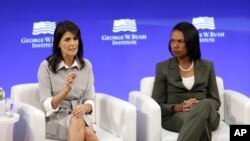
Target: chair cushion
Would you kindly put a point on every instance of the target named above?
(220, 134)
(168, 135)
(104, 135)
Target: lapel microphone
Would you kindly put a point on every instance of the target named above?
(179, 79)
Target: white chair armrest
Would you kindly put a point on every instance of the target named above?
(149, 117)
(116, 116)
(237, 108)
(26, 93)
(31, 125)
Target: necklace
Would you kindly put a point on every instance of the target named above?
(186, 70)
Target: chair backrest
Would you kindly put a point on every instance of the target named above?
(147, 83)
(26, 93)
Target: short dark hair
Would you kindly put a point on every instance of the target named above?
(192, 40)
(56, 56)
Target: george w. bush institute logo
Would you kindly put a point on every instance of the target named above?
(204, 23)
(124, 25)
(207, 29)
(42, 35)
(43, 27)
(124, 33)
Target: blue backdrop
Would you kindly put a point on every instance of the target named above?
(121, 58)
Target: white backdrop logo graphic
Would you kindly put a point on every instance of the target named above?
(42, 35)
(204, 23)
(43, 27)
(124, 25)
(206, 27)
(122, 35)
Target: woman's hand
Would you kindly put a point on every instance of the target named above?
(69, 79)
(80, 110)
(185, 106)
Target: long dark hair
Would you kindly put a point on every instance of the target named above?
(56, 56)
(192, 40)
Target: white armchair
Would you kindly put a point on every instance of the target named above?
(235, 109)
(114, 119)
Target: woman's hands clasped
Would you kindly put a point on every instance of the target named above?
(186, 105)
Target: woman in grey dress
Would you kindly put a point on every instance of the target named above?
(66, 87)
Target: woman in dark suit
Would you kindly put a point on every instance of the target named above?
(185, 88)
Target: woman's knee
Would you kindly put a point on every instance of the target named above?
(204, 105)
(207, 110)
(77, 123)
(90, 134)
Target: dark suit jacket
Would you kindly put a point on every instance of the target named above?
(169, 90)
